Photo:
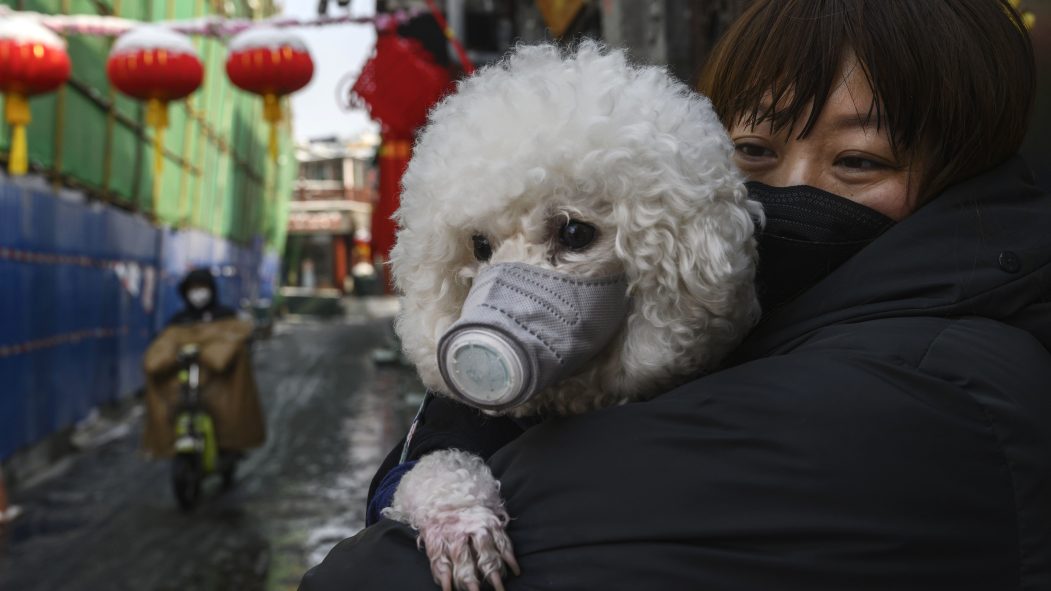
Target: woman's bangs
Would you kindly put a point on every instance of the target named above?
(787, 60)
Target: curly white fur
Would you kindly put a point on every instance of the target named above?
(542, 137)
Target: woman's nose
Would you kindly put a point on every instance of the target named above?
(795, 169)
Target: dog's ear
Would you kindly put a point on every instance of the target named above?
(689, 254)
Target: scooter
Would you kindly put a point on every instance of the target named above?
(197, 452)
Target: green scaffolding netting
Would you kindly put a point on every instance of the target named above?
(217, 174)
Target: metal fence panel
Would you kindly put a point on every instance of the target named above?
(83, 289)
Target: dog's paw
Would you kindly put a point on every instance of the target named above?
(466, 547)
(452, 499)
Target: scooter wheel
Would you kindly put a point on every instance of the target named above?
(186, 480)
(229, 472)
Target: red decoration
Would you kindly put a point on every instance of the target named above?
(157, 65)
(271, 63)
(400, 84)
(270, 71)
(32, 68)
(155, 74)
(33, 60)
(394, 155)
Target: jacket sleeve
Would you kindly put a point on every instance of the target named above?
(383, 556)
(162, 355)
(1009, 380)
(223, 340)
(446, 424)
(826, 468)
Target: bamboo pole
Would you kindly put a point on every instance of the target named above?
(202, 149)
(60, 122)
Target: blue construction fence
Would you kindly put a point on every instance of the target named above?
(84, 287)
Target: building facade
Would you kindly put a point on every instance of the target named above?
(329, 218)
(681, 34)
(676, 33)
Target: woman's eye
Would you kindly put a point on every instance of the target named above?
(860, 164)
(483, 251)
(576, 235)
(754, 151)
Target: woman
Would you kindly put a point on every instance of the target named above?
(888, 424)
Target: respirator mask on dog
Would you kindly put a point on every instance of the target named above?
(523, 328)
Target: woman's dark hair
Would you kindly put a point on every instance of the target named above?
(952, 80)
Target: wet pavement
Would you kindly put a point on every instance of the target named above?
(107, 520)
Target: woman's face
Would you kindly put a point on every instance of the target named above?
(842, 154)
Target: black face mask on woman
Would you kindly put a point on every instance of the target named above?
(808, 233)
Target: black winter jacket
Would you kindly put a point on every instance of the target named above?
(889, 429)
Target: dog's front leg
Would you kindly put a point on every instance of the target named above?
(452, 499)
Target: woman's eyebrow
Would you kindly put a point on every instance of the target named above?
(848, 121)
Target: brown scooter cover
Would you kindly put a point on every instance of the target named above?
(228, 388)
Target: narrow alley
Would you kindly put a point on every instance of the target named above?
(108, 519)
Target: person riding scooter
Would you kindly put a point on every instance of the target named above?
(223, 387)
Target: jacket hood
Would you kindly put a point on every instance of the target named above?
(982, 248)
(199, 277)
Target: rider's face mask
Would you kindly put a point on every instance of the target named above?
(523, 328)
(199, 297)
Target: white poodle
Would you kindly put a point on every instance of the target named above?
(584, 214)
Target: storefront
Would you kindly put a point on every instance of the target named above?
(319, 252)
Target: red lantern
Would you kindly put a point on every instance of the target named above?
(33, 60)
(270, 62)
(157, 65)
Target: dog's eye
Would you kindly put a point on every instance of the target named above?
(482, 249)
(576, 235)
